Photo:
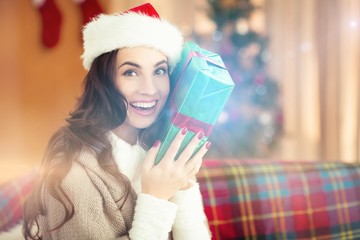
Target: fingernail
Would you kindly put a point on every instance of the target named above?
(184, 131)
(208, 145)
(156, 143)
(200, 135)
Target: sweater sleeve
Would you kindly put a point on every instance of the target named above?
(97, 215)
(153, 218)
(190, 221)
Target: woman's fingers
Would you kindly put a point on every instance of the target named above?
(170, 175)
(174, 146)
(190, 148)
(149, 160)
(188, 151)
(193, 165)
(203, 150)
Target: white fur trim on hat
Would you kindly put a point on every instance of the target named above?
(106, 33)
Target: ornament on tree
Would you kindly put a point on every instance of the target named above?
(51, 19)
(252, 121)
(89, 9)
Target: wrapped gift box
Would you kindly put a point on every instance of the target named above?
(203, 86)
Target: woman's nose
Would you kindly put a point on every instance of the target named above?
(148, 86)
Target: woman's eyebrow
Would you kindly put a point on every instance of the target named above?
(161, 62)
(131, 64)
(138, 66)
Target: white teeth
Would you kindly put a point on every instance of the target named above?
(143, 104)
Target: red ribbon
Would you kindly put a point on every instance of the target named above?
(180, 120)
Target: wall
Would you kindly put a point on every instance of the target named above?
(39, 85)
(315, 48)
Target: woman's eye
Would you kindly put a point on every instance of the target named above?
(161, 71)
(130, 73)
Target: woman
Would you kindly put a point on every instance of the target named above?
(98, 178)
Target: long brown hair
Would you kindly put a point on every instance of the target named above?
(100, 108)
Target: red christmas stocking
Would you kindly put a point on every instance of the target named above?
(51, 21)
(89, 9)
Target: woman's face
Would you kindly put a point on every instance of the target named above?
(142, 78)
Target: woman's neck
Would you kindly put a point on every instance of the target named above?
(127, 133)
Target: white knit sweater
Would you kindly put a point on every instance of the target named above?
(155, 218)
(101, 212)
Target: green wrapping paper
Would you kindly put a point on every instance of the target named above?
(203, 86)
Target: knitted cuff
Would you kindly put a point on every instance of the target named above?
(153, 218)
(190, 207)
(190, 221)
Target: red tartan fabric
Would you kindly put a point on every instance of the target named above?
(12, 197)
(256, 199)
(263, 199)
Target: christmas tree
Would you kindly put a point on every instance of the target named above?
(251, 122)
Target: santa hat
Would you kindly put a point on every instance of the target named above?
(138, 27)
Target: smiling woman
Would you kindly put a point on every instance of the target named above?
(98, 179)
(142, 78)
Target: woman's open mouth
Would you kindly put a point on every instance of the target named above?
(143, 108)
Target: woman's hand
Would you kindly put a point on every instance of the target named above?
(168, 176)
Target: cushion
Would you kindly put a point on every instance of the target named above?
(281, 200)
(12, 197)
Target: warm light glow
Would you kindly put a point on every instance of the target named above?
(242, 26)
(203, 25)
(353, 23)
(223, 118)
(257, 21)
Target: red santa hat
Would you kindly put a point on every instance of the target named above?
(138, 27)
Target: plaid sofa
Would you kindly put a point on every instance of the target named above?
(262, 199)
(255, 199)
(12, 197)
